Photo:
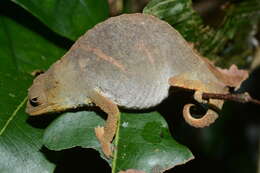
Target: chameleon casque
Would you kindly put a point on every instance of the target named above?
(127, 61)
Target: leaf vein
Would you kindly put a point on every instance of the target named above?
(12, 116)
(17, 150)
(116, 144)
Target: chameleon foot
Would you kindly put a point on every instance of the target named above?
(99, 131)
(106, 146)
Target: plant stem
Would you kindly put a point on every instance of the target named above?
(242, 98)
(116, 144)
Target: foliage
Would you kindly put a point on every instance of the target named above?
(209, 41)
(143, 141)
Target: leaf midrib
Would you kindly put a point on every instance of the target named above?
(12, 116)
(114, 163)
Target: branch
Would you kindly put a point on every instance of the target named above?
(241, 98)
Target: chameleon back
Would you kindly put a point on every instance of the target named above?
(130, 59)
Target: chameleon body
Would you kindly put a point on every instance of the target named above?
(129, 61)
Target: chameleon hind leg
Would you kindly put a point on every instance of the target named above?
(185, 81)
(106, 134)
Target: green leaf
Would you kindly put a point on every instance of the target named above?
(143, 141)
(21, 52)
(73, 129)
(69, 18)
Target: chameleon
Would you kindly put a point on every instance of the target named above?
(128, 61)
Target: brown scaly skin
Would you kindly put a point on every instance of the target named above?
(128, 61)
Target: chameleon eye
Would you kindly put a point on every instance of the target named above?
(34, 102)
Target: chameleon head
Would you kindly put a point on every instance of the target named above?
(55, 90)
(40, 96)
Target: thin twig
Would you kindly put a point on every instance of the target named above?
(242, 98)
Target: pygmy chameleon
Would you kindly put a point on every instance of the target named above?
(128, 61)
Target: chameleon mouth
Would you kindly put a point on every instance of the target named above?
(42, 109)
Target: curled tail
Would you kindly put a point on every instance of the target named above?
(207, 119)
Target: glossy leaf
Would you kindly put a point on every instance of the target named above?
(73, 129)
(21, 52)
(143, 141)
(69, 18)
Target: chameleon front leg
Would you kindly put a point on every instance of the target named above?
(106, 134)
(184, 81)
